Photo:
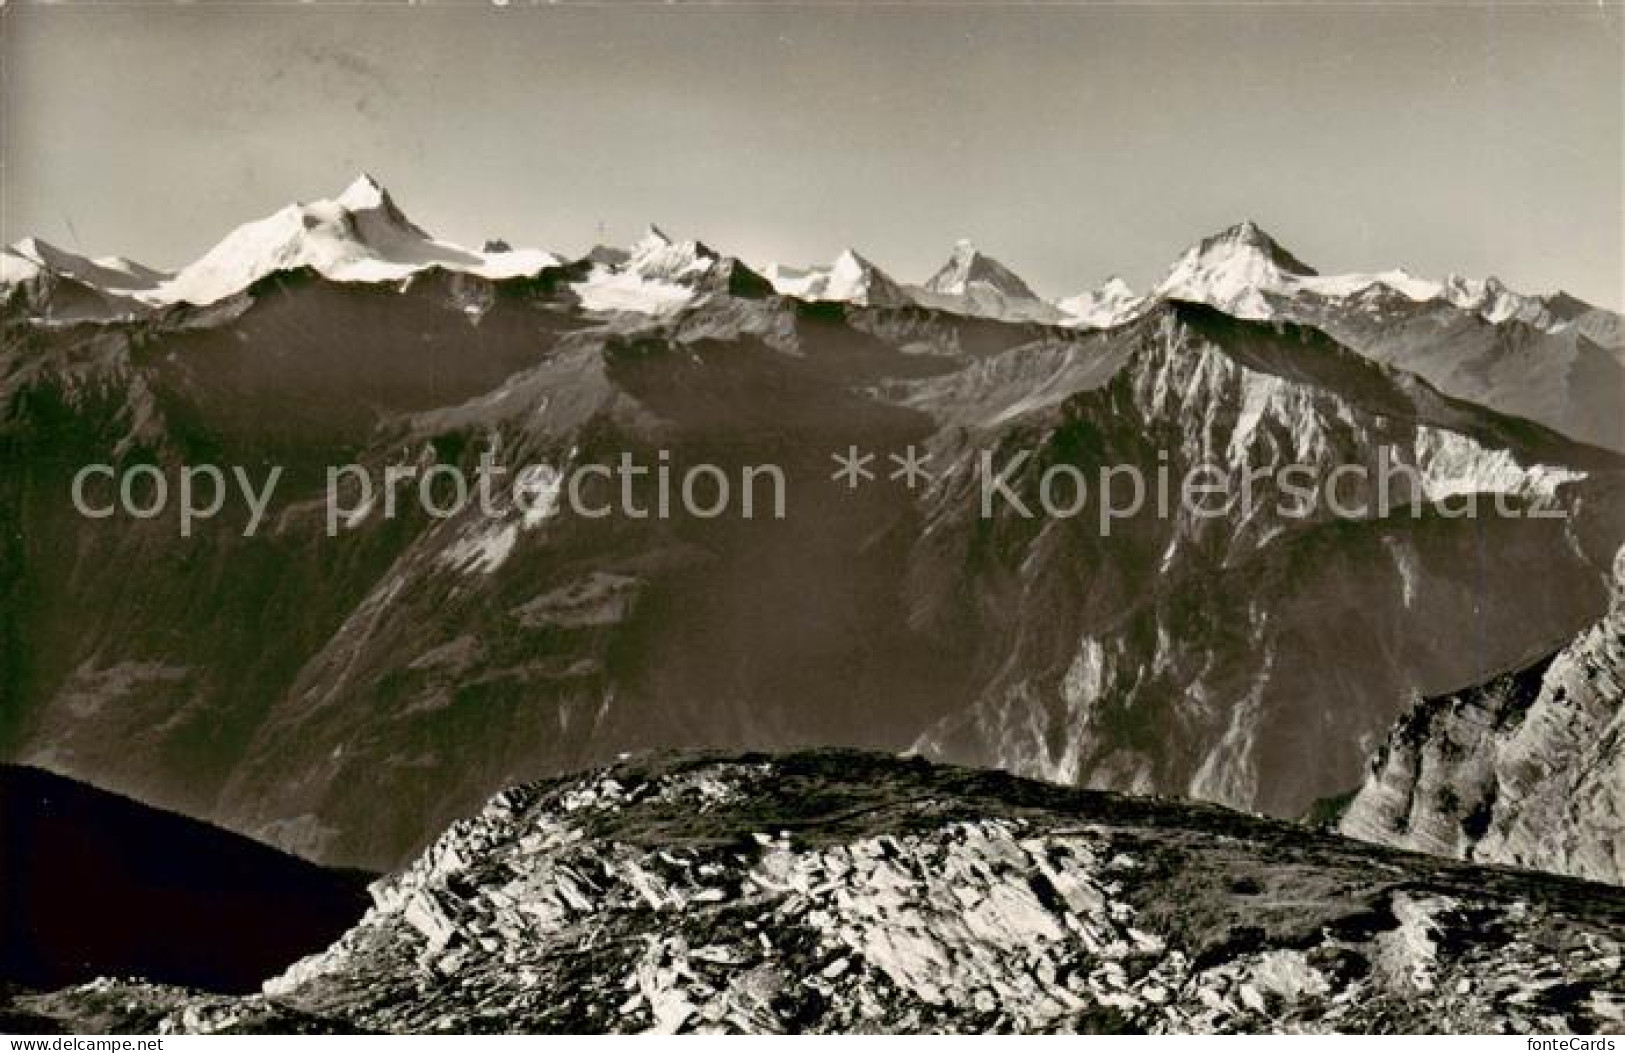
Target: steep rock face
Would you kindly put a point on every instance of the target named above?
(1527, 769)
(849, 892)
(1138, 660)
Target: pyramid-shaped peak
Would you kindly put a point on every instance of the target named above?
(607, 255)
(656, 242)
(968, 266)
(1247, 236)
(1565, 305)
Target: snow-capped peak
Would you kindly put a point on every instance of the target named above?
(359, 236)
(660, 275)
(652, 239)
(849, 279)
(1491, 300)
(1113, 303)
(968, 272)
(1236, 270)
(1250, 238)
(656, 257)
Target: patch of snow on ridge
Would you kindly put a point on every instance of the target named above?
(802, 283)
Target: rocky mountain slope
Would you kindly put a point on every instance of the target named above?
(1135, 658)
(1527, 769)
(852, 892)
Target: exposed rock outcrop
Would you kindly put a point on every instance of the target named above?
(854, 892)
(1527, 769)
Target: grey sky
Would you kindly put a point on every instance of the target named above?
(1070, 141)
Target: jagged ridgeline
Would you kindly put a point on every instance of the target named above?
(842, 892)
(346, 697)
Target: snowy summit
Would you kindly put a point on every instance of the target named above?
(360, 236)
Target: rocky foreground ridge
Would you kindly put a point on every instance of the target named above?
(842, 891)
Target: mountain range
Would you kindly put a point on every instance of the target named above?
(1552, 358)
(347, 698)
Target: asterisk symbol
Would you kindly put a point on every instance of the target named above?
(910, 467)
(854, 467)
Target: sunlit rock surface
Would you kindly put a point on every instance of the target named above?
(842, 891)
